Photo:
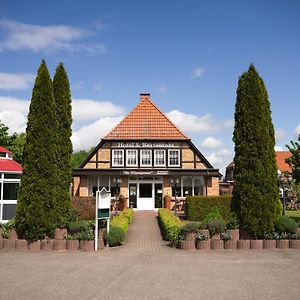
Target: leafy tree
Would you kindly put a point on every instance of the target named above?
(62, 97)
(18, 146)
(78, 157)
(294, 160)
(6, 140)
(255, 195)
(36, 215)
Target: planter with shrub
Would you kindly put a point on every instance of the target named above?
(216, 227)
(202, 241)
(229, 243)
(72, 244)
(217, 244)
(86, 245)
(295, 244)
(282, 244)
(167, 202)
(60, 233)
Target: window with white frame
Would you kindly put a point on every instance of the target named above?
(131, 158)
(146, 158)
(159, 158)
(174, 157)
(117, 158)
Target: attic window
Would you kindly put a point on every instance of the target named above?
(2, 154)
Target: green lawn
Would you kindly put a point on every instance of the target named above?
(293, 213)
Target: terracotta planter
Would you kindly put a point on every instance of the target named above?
(203, 245)
(186, 245)
(234, 233)
(204, 232)
(283, 244)
(9, 244)
(21, 245)
(216, 236)
(167, 202)
(72, 245)
(269, 244)
(34, 246)
(12, 234)
(256, 244)
(295, 244)
(243, 244)
(87, 245)
(217, 244)
(231, 244)
(46, 244)
(60, 234)
(59, 245)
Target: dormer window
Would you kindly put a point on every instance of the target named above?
(3, 154)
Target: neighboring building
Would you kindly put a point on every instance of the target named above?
(226, 187)
(10, 176)
(144, 158)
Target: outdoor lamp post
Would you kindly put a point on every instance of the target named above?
(176, 182)
(117, 181)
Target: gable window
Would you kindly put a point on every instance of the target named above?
(174, 158)
(131, 158)
(117, 158)
(146, 158)
(159, 158)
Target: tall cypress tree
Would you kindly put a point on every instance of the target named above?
(62, 97)
(36, 215)
(255, 195)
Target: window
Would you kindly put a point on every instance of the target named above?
(146, 158)
(174, 158)
(159, 158)
(131, 158)
(10, 191)
(117, 158)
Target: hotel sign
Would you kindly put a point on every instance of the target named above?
(145, 145)
(146, 173)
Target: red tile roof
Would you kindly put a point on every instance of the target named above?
(9, 165)
(146, 122)
(2, 149)
(281, 156)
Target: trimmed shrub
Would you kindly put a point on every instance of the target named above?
(79, 226)
(216, 226)
(197, 207)
(170, 225)
(115, 236)
(285, 224)
(191, 227)
(214, 214)
(128, 212)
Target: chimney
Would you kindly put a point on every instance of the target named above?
(144, 96)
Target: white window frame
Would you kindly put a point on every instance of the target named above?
(178, 151)
(141, 158)
(155, 155)
(136, 155)
(113, 161)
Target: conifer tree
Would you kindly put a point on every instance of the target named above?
(255, 195)
(62, 97)
(36, 215)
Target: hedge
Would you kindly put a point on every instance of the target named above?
(197, 207)
(170, 225)
(123, 219)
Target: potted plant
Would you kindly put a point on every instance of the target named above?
(202, 242)
(86, 241)
(269, 241)
(121, 202)
(215, 227)
(295, 241)
(232, 227)
(167, 201)
(60, 233)
(188, 233)
(283, 241)
(229, 242)
(72, 242)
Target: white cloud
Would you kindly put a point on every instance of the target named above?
(220, 159)
(37, 38)
(87, 109)
(211, 143)
(200, 124)
(89, 135)
(297, 130)
(15, 81)
(279, 134)
(162, 89)
(198, 72)
(278, 148)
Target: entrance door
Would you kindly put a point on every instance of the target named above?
(145, 199)
(132, 195)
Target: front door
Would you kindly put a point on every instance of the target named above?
(145, 199)
(132, 195)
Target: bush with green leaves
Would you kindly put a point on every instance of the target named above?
(79, 226)
(216, 226)
(197, 207)
(225, 236)
(128, 212)
(201, 237)
(191, 226)
(115, 237)
(285, 224)
(232, 222)
(214, 214)
(170, 226)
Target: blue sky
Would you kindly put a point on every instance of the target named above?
(187, 54)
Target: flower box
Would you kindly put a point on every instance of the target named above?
(217, 244)
(59, 245)
(34, 246)
(60, 234)
(12, 234)
(46, 244)
(72, 245)
(295, 244)
(256, 244)
(9, 244)
(269, 244)
(234, 233)
(21, 244)
(231, 244)
(186, 245)
(87, 245)
(243, 244)
(203, 245)
(283, 244)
